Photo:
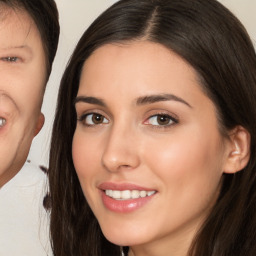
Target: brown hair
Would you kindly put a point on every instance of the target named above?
(212, 40)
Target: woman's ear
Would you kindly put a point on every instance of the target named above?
(238, 150)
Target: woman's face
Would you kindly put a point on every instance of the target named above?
(147, 148)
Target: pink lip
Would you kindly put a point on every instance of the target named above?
(123, 206)
(122, 186)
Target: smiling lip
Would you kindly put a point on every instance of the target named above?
(125, 197)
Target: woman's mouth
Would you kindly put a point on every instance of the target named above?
(125, 198)
(128, 194)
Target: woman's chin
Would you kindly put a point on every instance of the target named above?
(123, 238)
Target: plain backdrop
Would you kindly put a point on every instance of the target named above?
(75, 17)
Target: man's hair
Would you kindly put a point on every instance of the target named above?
(46, 17)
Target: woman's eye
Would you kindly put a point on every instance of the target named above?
(161, 120)
(10, 59)
(93, 119)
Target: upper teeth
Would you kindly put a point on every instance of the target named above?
(128, 194)
(2, 122)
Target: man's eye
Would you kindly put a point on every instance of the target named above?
(161, 120)
(10, 59)
(93, 119)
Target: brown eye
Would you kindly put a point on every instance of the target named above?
(93, 119)
(163, 119)
(97, 118)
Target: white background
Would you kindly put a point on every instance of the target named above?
(75, 17)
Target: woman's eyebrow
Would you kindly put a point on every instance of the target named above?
(90, 100)
(149, 99)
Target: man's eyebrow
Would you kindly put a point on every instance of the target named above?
(90, 100)
(22, 46)
(149, 99)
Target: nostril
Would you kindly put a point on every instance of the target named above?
(119, 154)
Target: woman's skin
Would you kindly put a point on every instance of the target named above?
(146, 127)
(22, 82)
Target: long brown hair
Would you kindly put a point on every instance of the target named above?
(212, 40)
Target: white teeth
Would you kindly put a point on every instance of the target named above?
(116, 194)
(135, 194)
(128, 194)
(2, 122)
(150, 193)
(143, 193)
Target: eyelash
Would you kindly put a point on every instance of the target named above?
(171, 120)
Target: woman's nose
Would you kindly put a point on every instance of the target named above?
(121, 151)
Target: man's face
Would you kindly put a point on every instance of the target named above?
(22, 81)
